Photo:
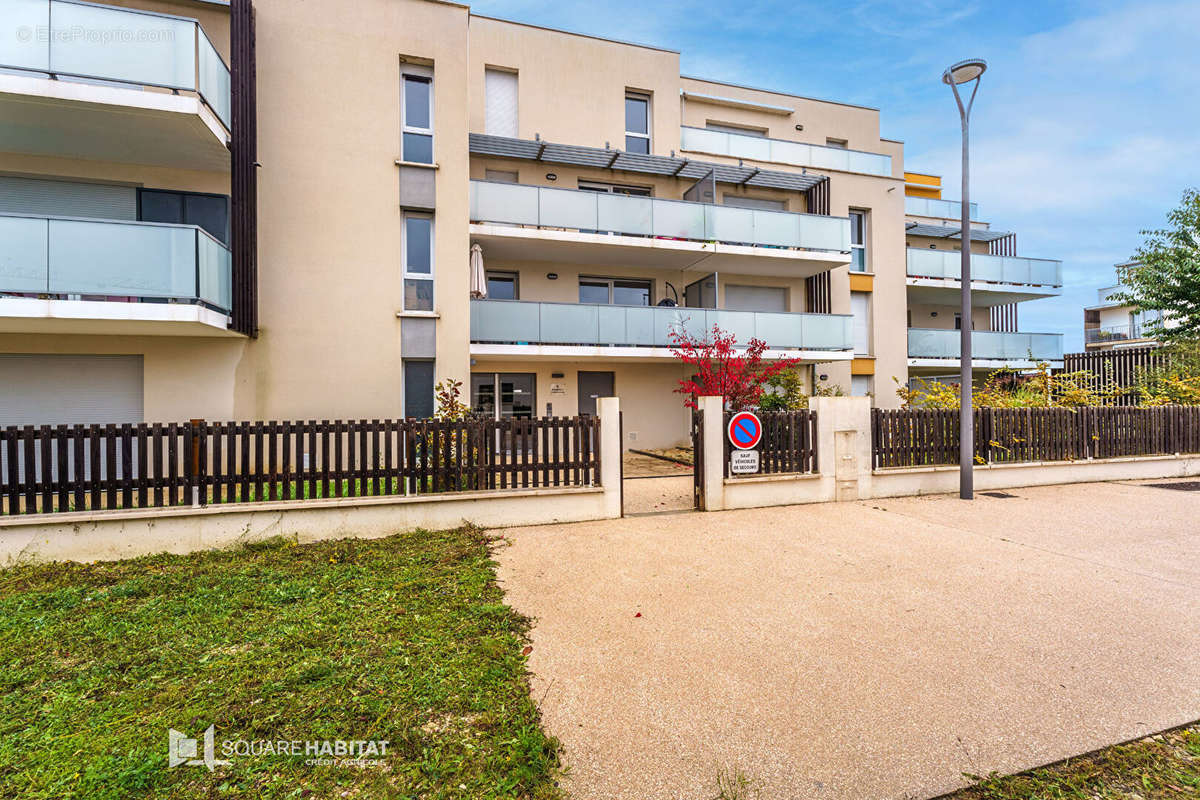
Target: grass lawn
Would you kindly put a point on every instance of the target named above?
(404, 639)
(1162, 766)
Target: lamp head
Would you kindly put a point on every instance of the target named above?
(964, 71)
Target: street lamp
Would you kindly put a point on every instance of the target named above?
(956, 75)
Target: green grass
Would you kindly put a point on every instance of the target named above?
(405, 639)
(1162, 766)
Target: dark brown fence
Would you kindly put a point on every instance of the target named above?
(789, 442)
(921, 437)
(1116, 369)
(46, 469)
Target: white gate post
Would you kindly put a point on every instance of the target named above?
(609, 411)
(713, 410)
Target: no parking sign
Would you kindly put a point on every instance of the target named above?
(745, 430)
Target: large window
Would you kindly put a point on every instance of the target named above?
(417, 255)
(417, 118)
(858, 241)
(637, 122)
(614, 291)
(418, 389)
(615, 188)
(208, 211)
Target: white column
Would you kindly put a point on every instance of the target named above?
(713, 411)
(609, 411)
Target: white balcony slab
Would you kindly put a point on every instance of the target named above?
(109, 123)
(528, 352)
(98, 317)
(511, 243)
(948, 291)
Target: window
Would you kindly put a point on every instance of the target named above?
(614, 291)
(755, 298)
(208, 211)
(614, 188)
(637, 123)
(418, 389)
(417, 119)
(502, 286)
(500, 113)
(500, 175)
(858, 241)
(838, 143)
(860, 385)
(741, 201)
(860, 308)
(723, 128)
(417, 255)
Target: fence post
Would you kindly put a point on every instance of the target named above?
(196, 427)
(610, 455)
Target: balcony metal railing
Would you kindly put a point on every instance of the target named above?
(1117, 333)
(985, 345)
(600, 212)
(781, 151)
(933, 207)
(993, 269)
(123, 45)
(109, 258)
(531, 322)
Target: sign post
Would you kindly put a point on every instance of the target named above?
(745, 432)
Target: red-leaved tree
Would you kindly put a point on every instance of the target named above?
(721, 369)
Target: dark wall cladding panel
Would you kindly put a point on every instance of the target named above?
(243, 169)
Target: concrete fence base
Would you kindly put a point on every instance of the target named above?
(844, 466)
(105, 535)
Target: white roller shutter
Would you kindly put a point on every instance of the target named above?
(67, 198)
(860, 307)
(755, 298)
(501, 90)
(67, 389)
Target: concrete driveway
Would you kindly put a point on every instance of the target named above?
(860, 650)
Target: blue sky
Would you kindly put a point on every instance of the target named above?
(1084, 133)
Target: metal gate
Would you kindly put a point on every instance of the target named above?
(697, 460)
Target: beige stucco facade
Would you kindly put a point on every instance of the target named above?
(333, 331)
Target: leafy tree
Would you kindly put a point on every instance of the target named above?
(739, 376)
(1166, 275)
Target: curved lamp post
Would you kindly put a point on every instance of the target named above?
(956, 75)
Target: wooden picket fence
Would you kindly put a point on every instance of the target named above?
(927, 437)
(789, 442)
(46, 469)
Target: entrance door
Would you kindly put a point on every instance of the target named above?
(504, 394)
(593, 385)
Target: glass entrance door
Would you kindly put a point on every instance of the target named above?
(504, 394)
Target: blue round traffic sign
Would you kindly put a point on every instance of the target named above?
(745, 430)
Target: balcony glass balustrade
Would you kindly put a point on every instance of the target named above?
(122, 45)
(531, 322)
(985, 345)
(64, 256)
(933, 207)
(600, 212)
(993, 269)
(781, 151)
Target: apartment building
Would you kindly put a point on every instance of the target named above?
(1000, 281)
(1112, 323)
(251, 211)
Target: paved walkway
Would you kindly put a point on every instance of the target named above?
(860, 650)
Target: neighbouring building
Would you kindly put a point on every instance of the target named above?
(270, 211)
(1112, 323)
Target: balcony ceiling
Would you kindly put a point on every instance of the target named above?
(951, 232)
(947, 292)
(510, 245)
(504, 147)
(106, 123)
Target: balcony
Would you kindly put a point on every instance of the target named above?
(73, 275)
(112, 84)
(524, 329)
(989, 349)
(938, 209)
(537, 223)
(781, 151)
(934, 277)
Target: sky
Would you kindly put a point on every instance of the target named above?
(1084, 133)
